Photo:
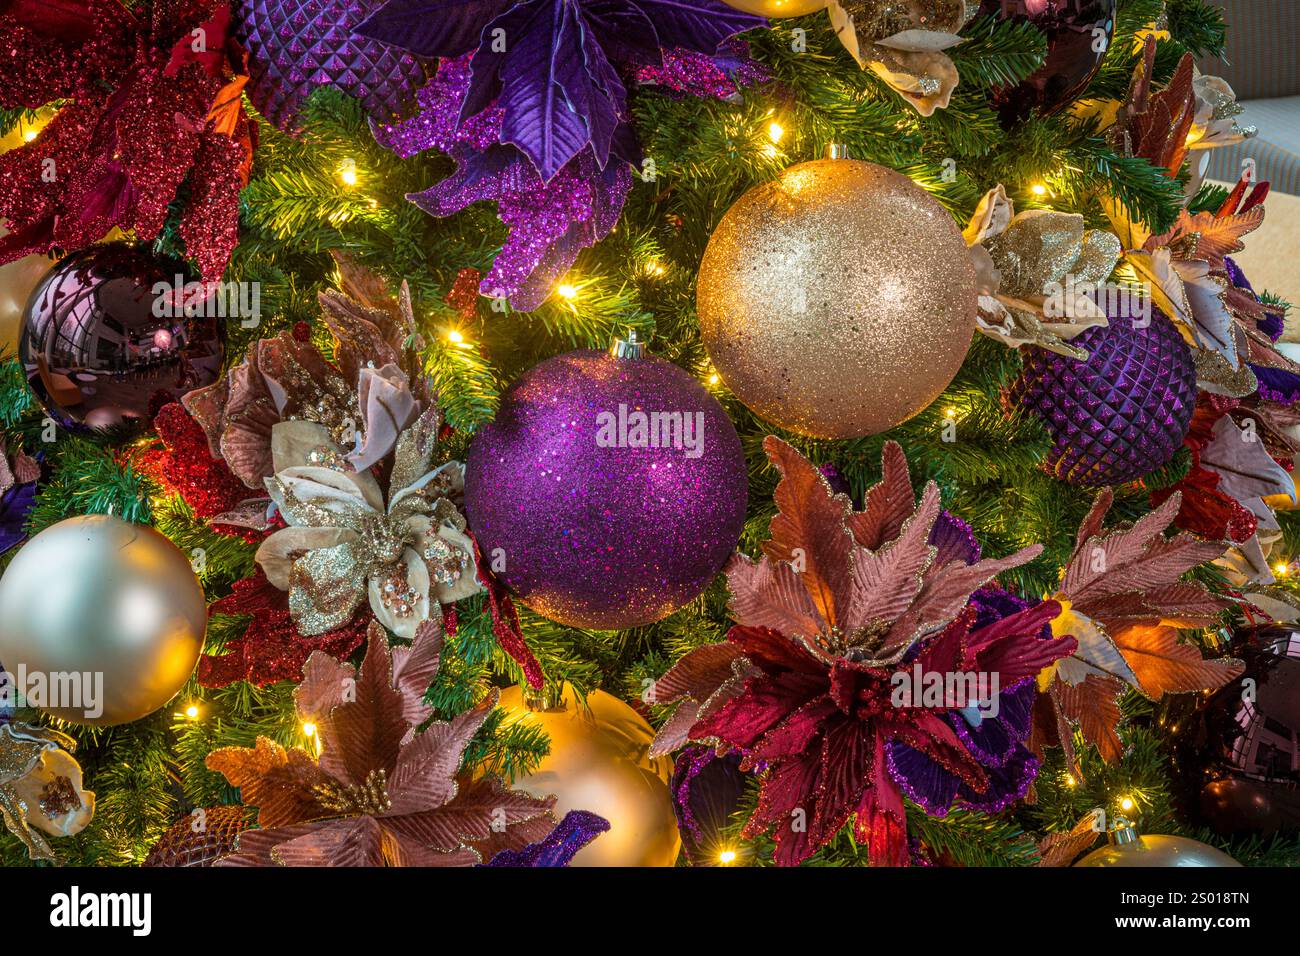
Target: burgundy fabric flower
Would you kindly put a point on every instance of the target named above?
(841, 604)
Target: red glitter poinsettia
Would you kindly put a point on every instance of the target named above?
(185, 466)
(149, 102)
(803, 685)
(271, 648)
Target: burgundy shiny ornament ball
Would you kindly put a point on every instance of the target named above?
(1078, 35)
(100, 346)
(1237, 805)
(577, 512)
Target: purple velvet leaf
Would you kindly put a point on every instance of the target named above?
(488, 63)
(625, 32)
(593, 91)
(534, 96)
(432, 27)
(575, 831)
(696, 24)
(15, 505)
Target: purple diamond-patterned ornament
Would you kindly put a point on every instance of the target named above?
(295, 46)
(1119, 415)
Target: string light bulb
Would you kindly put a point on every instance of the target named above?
(30, 134)
(566, 291)
(1038, 189)
(192, 712)
(1071, 780)
(1281, 569)
(727, 857)
(775, 131)
(1126, 803)
(348, 172)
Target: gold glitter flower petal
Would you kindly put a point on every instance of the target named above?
(326, 586)
(277, 553)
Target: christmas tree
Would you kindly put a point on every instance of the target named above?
(637, 433)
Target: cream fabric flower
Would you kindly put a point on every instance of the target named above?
(344, 545)
(41, 787)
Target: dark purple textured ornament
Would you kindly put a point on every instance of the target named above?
(609, 491)
(1078, 35)
(295, 46)
(1121, 414)
(706, 788)
(104, 342)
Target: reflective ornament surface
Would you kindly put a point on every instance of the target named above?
(837, 300)
(599, 762)
(778, 9)
(106, 341)
(1157, 850)
(1078, 35)
(113, 607)
(17, 280)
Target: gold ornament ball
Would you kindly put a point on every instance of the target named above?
(113, 602)
(838, 300)
(17, 280)
(778, 9)
(599, 761)
(1158, 851)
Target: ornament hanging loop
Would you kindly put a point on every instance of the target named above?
(627, 348)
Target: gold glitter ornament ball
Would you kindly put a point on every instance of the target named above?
(838, 300)
(599, 762)
(101, 621)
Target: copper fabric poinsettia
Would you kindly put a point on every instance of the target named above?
(1122, 599)
(1235, 471)
(371, 392)
(382, 792)
(148, 102)
(1186, 268)
(840, 605)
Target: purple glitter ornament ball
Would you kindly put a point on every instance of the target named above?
(295, 46)
(1121, 414)
(609, 491)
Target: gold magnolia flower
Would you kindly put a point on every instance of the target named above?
(903, 44)
(40, 787)
(344, 545)
(1038, 274)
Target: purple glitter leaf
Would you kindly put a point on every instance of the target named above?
(15, 505)
(481, 176)
(432, 27)
(575, 831)
(699, 25)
